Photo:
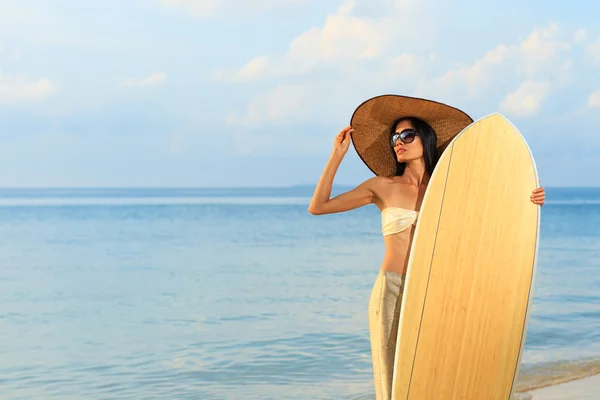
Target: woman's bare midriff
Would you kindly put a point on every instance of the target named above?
(393, 192)
(397, 249)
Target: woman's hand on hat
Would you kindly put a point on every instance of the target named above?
(342, 140)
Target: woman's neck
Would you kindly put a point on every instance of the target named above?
(415, 173)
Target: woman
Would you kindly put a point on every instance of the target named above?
(400, 140)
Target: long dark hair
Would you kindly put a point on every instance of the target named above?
(428, 138)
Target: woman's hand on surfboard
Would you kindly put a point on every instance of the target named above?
(538, 196)
(342, 140)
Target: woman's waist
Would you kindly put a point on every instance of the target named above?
(397, 245)
(393, 258)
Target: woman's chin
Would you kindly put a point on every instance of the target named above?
(404, 159)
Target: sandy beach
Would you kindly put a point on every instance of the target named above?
(581, 389)
(561, 381)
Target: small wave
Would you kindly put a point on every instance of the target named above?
(554, 373)
(587, 202)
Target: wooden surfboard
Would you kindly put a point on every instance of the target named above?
(471, 270)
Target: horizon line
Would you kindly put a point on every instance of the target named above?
(301, 185)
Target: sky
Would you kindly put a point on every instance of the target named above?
(229, 93)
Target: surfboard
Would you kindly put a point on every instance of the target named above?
(471, 269)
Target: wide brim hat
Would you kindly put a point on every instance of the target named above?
(372, 123)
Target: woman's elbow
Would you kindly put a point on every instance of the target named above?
(314, 210)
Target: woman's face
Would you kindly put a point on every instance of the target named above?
(407, 151)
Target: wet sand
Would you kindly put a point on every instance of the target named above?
(581, 389)
(560, 381)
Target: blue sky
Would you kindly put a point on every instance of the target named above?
(251, 93)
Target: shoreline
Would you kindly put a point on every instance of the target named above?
(585, 388)
(549, 381)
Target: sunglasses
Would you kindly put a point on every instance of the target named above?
(407, 136)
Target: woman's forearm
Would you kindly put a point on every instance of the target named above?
(322, 192)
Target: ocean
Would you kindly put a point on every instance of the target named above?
(237, 294)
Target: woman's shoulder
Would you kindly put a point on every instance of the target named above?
(385, 181)
(383, 186)
(377, 181)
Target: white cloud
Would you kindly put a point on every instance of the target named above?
(355, 56)
(152, 80)
(346, 7)
(381, 8)
(343, 40)
(198, 8)
(15, 53)
(594, 50)
(594, 100)
(580, 36)
(405, 65)
(210, 8)
(327, 98)
(16, 88)
(256, 68)
(543, 56)
(285, 101)
(527, 100)
(542, 46)
(477, 77)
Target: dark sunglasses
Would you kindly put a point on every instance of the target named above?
(407, 136)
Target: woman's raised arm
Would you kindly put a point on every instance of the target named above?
(361, 195)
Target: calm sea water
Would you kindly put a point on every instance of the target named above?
(233, 294)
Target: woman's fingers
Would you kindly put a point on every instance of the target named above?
(538, 196)
(344, 132)
(342, 139)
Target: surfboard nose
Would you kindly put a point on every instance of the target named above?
(495, 117)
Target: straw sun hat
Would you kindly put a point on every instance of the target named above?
(372, 123)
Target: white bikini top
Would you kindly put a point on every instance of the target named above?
(396, 219)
